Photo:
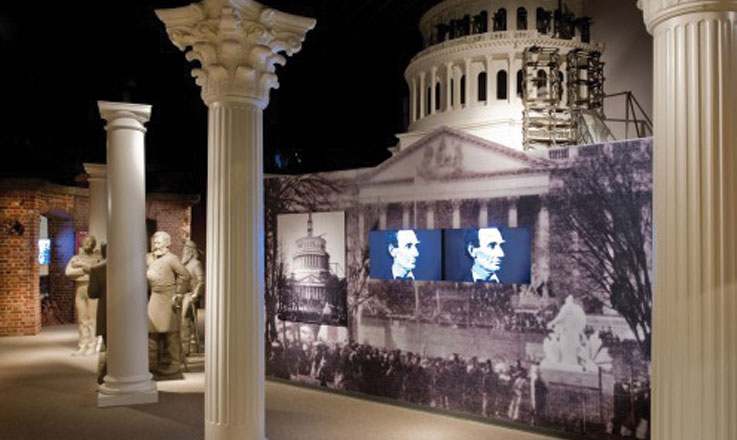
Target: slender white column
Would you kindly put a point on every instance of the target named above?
(423, 96)
(542, 238)
(430, 215)
(433, 80)
(448, 86)
(405, 215)
(512, 212)
(511, 79)
(382, 217)
(98, 200)
(456, 204)
(483, 214)
(128, 381)
(694, 346)
(238, 46)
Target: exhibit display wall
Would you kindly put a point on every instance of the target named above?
(23, 203)
(569, 352)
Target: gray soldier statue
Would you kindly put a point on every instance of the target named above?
(86, 308)
(193, 295)
(168, 280)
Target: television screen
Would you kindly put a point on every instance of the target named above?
(494, 254)
(44, 251)
(408, 254)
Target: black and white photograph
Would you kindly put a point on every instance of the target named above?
(311, 272)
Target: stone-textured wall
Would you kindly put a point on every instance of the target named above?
(67, 209)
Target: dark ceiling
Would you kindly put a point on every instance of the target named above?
(341, 101)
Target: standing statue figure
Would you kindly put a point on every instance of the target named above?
(196, 288)
(168, 280)
(569, 326)
(86, 308)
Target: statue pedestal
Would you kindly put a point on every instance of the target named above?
(589, 395)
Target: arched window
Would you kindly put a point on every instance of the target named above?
(481, 87)
(437, 95)
(542, 84)
(519, 83)
(463, 90)
(543, 20)
(500, 20)
(521, 19)
(501, 84)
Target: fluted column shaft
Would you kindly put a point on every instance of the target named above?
(413, 100)
(423, 96)
(448, 86)
(433, 96)
(694, 349)
(128, 380)
(234, 365)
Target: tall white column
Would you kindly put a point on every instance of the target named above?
(238, 45)
(456, 219)
(483, 214)
(512, 212)
(449, 86)
(429, 215)
(423, 96)
(382, 216)
(542, 238)
(98, 200)
(405, 215)
(128, 380)
(489, 79)
(694, 346)
(469, 81)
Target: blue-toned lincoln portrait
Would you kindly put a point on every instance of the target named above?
(493, 254)
(405, 254)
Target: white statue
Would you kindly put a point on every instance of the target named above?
(195, 290)
(86, 308)
(168, 280)
(569, 326)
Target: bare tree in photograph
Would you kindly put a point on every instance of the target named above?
(606, 199)
(284, 194)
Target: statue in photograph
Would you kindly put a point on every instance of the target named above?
(484, 246)
(168, 281)
(86, 308)
(98, 290)
(194, 292)
(568, 326)
(402, 246)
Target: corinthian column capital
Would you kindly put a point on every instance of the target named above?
(238, 44)
(658, 11)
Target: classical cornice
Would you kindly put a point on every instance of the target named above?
(95, 170)
(124, 115)
(238, 44)
(658, 11)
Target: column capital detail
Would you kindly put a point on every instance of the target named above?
(238, 44)
(124, 115)
(95, 171)
(658, 11)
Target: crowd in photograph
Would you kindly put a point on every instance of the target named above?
(506, 389)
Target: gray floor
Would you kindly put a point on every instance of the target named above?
(47, 394)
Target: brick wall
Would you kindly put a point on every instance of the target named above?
(67, 209)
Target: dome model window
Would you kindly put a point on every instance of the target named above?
(500, 20)
(521, 19)
(481, 86)
(501, 84)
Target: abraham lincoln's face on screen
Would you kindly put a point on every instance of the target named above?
(485, 247)
(402, 246)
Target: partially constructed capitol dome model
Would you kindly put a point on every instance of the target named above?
(522, 73)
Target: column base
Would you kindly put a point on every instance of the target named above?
(130, 391)
(214, 431)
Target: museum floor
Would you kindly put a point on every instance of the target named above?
(47, 394)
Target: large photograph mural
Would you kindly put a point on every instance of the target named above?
(567, 349)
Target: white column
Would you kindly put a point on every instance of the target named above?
(128, 380)
(511, 78)
(361, 225)
(98, 200)
(237, 74)
(694, 346)
(413, 100)
(423, 96)
(456, 204)
(448, 86)
(512, 212)
(405, 216)
(542, 238)
(429, 215)
(433, 80)
(483, 214)
(382, 217)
